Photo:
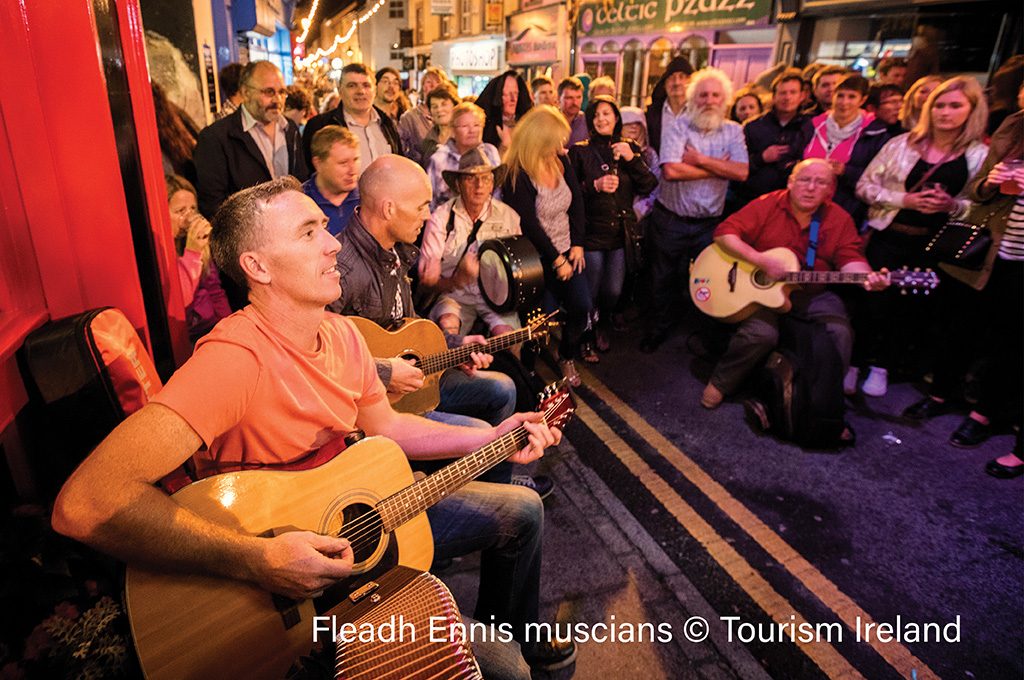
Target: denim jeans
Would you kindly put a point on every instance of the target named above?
(675, 241)
(487, 395)
(606, 272)
(573, 296)
(506, 523)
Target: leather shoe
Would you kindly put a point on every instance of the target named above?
(927, 408)
(1000, 471)
(971, 433)
(550, 655)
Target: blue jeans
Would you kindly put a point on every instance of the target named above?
(606, 272)
(506, 523)
(573, 296)
(675, 241)
(487, 395)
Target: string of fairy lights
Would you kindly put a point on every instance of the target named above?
(339, 40)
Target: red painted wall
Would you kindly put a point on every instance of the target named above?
(67, 195)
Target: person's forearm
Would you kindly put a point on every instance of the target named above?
(424, 439)
(734, 170)
(857, 267)
(738, 247)
(683, 171)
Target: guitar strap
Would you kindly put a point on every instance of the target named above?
(812, 246)
(450, 227)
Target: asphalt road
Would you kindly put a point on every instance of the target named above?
(901, 525)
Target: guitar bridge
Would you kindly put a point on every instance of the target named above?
(732, 276)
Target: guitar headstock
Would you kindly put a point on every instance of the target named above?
(540, 324)
(557, 403)
(914, 280)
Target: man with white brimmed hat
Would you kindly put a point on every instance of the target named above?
(448, 257)
(448, 261)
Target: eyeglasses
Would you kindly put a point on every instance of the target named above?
(271, 92)
(812, 181)
(478, 179)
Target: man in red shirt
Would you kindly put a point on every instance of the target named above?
(782, 219)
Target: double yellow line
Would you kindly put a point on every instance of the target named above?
(831, 662)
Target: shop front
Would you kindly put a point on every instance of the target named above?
(632, 41)
(471, 62)
(538, 41)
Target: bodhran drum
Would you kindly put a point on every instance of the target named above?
(511, 275)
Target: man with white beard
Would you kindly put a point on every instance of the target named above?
(700, 154)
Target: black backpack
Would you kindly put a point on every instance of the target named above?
(798, 394)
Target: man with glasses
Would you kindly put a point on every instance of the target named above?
(254, 144)
(782, 219)
(389, 90)
(467, 133)
(374, 129)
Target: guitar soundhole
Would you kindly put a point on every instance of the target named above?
(761, 279)
(362, 526)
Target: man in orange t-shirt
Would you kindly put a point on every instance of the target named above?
(268, 385)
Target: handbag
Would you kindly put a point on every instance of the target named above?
(962, 243)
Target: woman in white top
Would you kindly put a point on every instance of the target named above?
(912, 187)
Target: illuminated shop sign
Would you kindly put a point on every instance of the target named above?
(637, 16)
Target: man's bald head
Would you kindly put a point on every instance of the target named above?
(813, 163)
(394, 199)
(389, 177)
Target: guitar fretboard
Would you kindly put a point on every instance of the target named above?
(399, 508)
(435, 363)
(825, 277)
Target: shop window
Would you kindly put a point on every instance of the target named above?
(588, 48)
(610, 47)
(632, 73)
(657, 62)
(695, 49)
(446, 26)
(465, 16)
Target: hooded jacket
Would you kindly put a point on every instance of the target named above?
(490, 101)
(658, 97)
(608, 214)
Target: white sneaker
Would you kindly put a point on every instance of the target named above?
(850, 381)
(877, 382)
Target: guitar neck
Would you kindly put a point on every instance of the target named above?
(825, 277)
(442, 361)
(399, 508)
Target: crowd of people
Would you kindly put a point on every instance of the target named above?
(327, 204)
(618, 200)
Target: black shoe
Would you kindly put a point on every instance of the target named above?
(550, 655)
(652, 342)
(927, 408)
(971, 433)
(542, 484)
(1000, 471)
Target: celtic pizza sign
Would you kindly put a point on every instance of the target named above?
(640, 16)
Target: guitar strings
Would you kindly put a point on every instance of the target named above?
(363, 531)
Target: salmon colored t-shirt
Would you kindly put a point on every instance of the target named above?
(256, 399)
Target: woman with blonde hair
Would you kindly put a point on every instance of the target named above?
(914, 99)
(542, 187)
(912, 187)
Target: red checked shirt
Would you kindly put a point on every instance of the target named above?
(768, 222)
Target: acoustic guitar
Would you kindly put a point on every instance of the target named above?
(198, 626)
(730, 288)
(423, 342)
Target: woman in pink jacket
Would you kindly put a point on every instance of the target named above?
(205, 301)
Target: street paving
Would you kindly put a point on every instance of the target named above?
(665, 511)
